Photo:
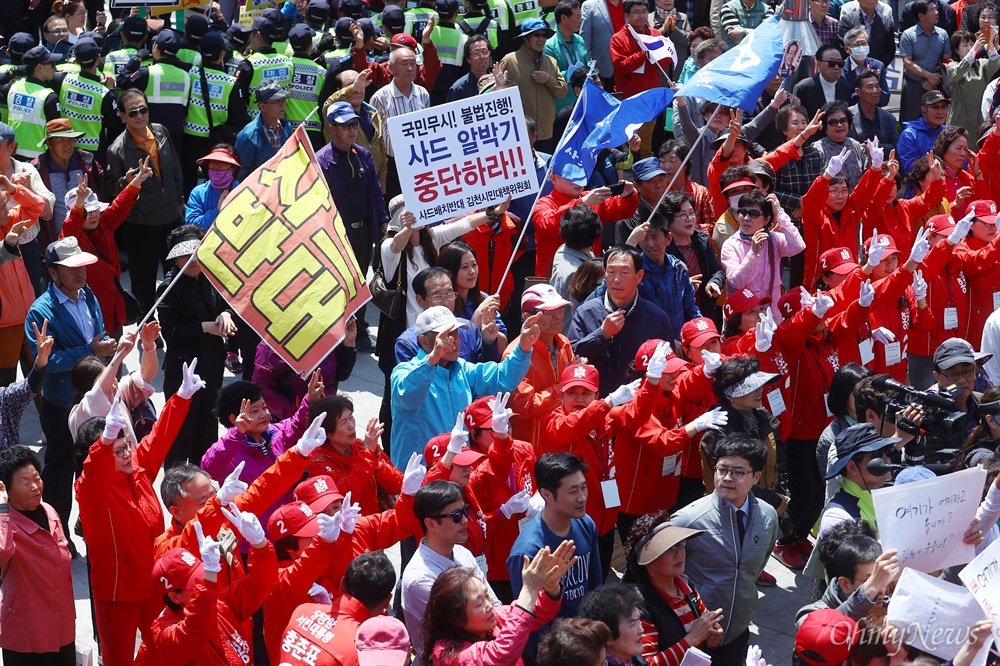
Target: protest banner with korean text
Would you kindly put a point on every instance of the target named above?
(463, 156)
(982, 577)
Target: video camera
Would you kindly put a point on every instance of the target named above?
(944, 424)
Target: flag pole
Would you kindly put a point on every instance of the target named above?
(591, 68)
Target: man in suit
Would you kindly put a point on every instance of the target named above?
(596, 28)
(869, 120)
(858, 61)
(827, 84)
(876, 18)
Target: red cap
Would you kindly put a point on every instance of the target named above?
(580, 375)
(318, 492)
(178, 569)
(790, 302)
(219, 155)
(480, 413)
(941, 224)
(697, 332)
(742, 301)
(886, 241)
(742, 182)
(402, 39)
(437, 447)
(293, 519)
(985, 210)
(825, 637)
(838, 260)
(646, 351)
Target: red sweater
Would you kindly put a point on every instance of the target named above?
(627, 57)
(359, 471)
(903, 218)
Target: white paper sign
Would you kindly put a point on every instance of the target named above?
(982, 577)
(925, 520)
(893, 353)
(777, 402)
(934, 615)
(867, 350)
(463, 156)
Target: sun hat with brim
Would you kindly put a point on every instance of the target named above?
(90, 204)
(397, 206)
(485, 84)
(179, 569)
(749, 384)
(318, 492)
(184, 246)
(855, 440)
(646, 351)
(293, 519)
(60, 127)
(535, 25)
(954, 351)
(66, 252)
(542, 297)
(382, 641)
(660, 539)
(218, 155)
(825, 638)
(580, 375)
(436, 319)
(742, 182)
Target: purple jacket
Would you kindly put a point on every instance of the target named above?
(283, 388)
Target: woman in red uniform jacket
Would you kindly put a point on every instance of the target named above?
(980, 254)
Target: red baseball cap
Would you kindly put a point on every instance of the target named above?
(318, 492)
(437, 447)
(886, 241)
(838, 260)
(825, 637)
(293, 519)
(985, 210)
(178, 569)
(790, 302)
(646, 351)
(743, 301)
(742, 182)
(941, 224)
(480, 413)
(403, 39)
(580, 375)
(697, 332)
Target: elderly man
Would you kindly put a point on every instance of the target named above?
(917, 137)
(351, 88)
(537, 78)
(478, 54)
(877, 20)
(827, 84)
(922, 47)
(869, 119)
(264, 136)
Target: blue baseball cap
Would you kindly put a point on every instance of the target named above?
(340, 113)
(264, 26)
(86, 52)
(342, 28)
(196, 26)
(38, 55)
(212, 44)
(535, 25)
(647, 169)
(168, 41)
(318, 10)
(393, 18)
(301, 36)
(19, 44)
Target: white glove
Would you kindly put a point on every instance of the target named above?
(755, 657)
(314, 436)
(350, 512)
(822, 304)
(884, 335)
(209, 549)
(837, 163)
(329, 526)
(246, 523)
(712, 362)
(191, 383)
(114, 422)
(920, 246)
(919, 286)
(414, 475)
(501, 415)
(658, 363)
(535, 505)
(867, 294)
(624, 393)
(459, 435)
(763, 335)
(875, 152)
(875, 251)
(713, 420)
(806, 299)
(519, 503)
(320, 594)
(232, 486)
(961, 229)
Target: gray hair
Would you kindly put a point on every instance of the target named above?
(394, 54)
(172, 488)
(854, 33)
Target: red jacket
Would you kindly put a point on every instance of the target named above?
(989, 163)
(589, 434)
(100, 242)
(213, 629)
(538, 393)
(121, 514)
(902, 218)
(627, 57)
(947, 288)
(359, 471)
(381, 72)
(982, 266)
(900, 318)
(16, 290)
(549, 211)
(321, 635)
(694, 396)
(493, 250)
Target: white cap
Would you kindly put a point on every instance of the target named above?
(436, 319)
(91, 203)
(542, 297)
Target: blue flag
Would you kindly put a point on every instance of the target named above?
(624, 121)
(570, 160)
(738, 77)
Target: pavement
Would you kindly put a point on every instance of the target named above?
(773, 629)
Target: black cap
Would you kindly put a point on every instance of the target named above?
(168, 41)
(446, 8)
(301, 36)
(265, 27)
(212, 44)
(342, 29)
(134, 27)
(855, 440)
(269, 90)
(351, 8)
(93, 36)
(86, 52)
(19, 44)
(368, 29)
(318, 10)
(195, 27)
(239, 35)
(393, 18)
(274, 15)
(38, 55)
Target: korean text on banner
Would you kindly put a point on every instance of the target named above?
(982, 577)
(926, 520)
(278, 254)
(463, 156)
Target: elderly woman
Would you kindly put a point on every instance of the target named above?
(836, 125)
(963, 184)
(39, 619)
(673, 616)
(618, 608)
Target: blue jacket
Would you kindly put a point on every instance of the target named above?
(915, 141)
(327, 159)
(470, 346)
(203, 204)
(426, 398)
(71, 344)
(253, 146)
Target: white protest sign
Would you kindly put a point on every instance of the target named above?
(982, 577)
(934, 615)
(926, 520)
(463, 156)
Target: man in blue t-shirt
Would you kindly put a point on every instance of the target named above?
(563, 487)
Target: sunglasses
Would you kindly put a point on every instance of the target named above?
(837, 121)
(352, 125)
(137, 111)
(836, 64)
(751, 213)
(456, 516)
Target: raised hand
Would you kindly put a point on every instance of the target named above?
(349, 512)
(837, 163)
(762, 335)
(713, 420)
(920, 246)
(246, 523)
(623, 393)
(316, 387)
(459, 435)
(243, 420)
(330, 526)
(875, 251)
(150, 331)
(658, 363)
(413, 477)
(82, 191)
(373, 432)
(822, 304)
(114, 422)
(209, 550)
(232, 486)
(919, 286)
(191, 382)
(314, 436)
(43, 343)
(530, 332)
(518, 503)
(711, 361)
(16, 229)
(867, 295)
(501, 414)
(962, 228)
(875, 153)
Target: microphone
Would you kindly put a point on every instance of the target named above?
(879, 467)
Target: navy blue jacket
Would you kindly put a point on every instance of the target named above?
(327, 158)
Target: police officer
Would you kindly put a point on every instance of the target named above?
(264, 64)
(450, 43)
(195, 27)
(17, 46)
(166, 83)
(281, 24)
(307, 80)
(88, 104)
(335, 46)
(480, 19)
(318, 17)
(133, 35)
(31, 101)
(238, 37)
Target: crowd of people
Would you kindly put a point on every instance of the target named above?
(697, 353)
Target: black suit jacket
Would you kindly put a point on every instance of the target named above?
(810, 93)
(883, 35)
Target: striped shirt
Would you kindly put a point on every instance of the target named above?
(673, 655)
(391, 102)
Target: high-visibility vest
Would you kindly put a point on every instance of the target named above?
(220, 86)
(303, 93)
(233, 61)
(190, 56)
(26, 108)
(67, 67)
(80, 100)
(470, 26)
(416, 19)
(6, 70)
(525, 9)
(115, 61)
(267, 67)
(331, 58)
(450, 44)
(167, 84)
(500, 10)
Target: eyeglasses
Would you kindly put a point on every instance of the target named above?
(686, 215)
(837, 121)
(736, 473)
(968, 373)
(58, 31)
(438, 299)
(479, 53)
(137, 111)
(456, 516)
(750, 213)
(124, 452)
(352, 125)
(836, 64)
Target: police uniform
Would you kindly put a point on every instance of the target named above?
(303, 91)
(450, 44)
(31, 103)
(166, 84)
(90, 108)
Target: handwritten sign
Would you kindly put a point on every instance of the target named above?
(982, 577)
(925, 520)
(463, 156)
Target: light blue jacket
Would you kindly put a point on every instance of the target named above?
(203, 204)
(427, 398)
